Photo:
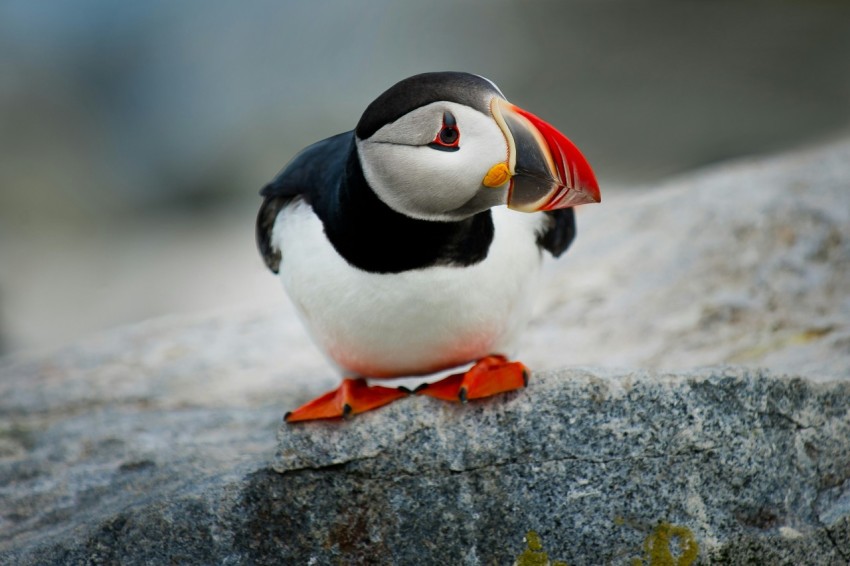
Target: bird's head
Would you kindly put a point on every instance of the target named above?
(445, 146)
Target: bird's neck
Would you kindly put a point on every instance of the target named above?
(373, 237)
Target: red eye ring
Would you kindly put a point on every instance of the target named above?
(448, 138)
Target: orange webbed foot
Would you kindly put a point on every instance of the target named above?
(489, 376)
(353, 396)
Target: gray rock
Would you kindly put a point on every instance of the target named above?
(156, 443)
(592, 461)
(746, 264)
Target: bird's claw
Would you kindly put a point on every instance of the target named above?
(489, 376)
(353, 396)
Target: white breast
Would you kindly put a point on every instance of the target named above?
(415, 322)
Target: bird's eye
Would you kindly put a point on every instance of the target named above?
(448, 138)
(449, 135)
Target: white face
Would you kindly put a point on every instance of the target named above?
(417, 180)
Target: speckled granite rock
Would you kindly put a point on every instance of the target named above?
(592, 460)
(156, 443)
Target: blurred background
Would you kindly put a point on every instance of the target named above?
(134, 136)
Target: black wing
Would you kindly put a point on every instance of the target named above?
(274, 201)
(314, 169)
(560, 231)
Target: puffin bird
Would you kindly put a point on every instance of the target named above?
(394, 245)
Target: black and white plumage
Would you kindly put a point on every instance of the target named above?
(392, 239)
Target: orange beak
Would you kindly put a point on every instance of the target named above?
(546, 170)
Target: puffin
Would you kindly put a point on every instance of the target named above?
(411, 245)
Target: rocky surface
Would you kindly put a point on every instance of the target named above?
(589, 460)
(746, 264)
(745, 463)
(156, 443)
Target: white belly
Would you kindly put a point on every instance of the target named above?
(415, 322)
